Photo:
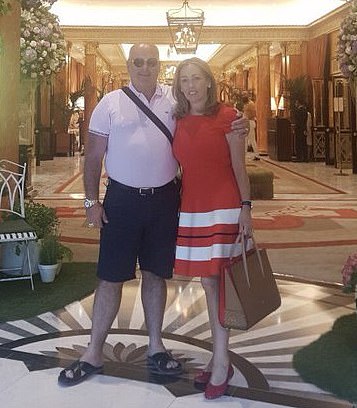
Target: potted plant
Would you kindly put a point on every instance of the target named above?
(296, 90)
(52, 253)
(43, 219)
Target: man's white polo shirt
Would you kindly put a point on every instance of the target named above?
(138, 153)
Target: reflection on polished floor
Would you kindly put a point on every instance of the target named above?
(309, 229)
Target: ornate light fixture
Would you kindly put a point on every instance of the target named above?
(185, 25)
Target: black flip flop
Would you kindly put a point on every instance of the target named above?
(80, 372)
(157, 364)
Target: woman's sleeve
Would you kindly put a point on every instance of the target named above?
(227, 115)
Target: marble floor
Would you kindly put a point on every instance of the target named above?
(308, 228)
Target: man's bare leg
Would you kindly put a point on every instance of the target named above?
(106, 305)
(153, 295)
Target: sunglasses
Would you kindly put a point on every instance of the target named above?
(139, 62)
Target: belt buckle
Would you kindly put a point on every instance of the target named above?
(146, 191)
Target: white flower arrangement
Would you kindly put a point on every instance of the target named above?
(347, 44)
(42, 46)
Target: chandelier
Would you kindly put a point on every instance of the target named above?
(185, 25)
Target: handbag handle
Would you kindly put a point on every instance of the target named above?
(240, 238)
(244, 256)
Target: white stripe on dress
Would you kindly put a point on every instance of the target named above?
(185, 253)
(209, 219)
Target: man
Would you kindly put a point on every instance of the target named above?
(138, 218)
(300, 115)
(73, 131)
(249, 111)
(309, 136)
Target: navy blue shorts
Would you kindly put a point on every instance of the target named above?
(142, 227)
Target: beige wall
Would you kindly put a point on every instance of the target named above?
(9, 82)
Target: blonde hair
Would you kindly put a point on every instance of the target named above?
(182, 107)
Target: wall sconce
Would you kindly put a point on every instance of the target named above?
(273, 106)
(281, 107)
(281, 104)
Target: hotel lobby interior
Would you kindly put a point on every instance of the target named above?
(308, 226)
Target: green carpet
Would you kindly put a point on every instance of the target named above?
(331, 361)
(74, 282)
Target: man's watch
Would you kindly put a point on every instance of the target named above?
(248, 203)
(88, 203)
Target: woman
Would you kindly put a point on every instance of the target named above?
(215, 206)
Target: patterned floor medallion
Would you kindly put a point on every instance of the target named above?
(308, 229)
(261, 356)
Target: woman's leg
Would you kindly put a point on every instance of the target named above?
(220, 360)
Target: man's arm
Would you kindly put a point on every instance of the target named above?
(239, 126)
(94, 153)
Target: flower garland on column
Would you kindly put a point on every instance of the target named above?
(42, 46)
(347, 45)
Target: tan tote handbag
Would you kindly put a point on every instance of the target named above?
(248, 291)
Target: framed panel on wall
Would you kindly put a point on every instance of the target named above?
(318, 102)
(342, 122)
(342, 116)
(27, 111)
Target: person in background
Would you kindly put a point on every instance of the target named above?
(81, 132)
(309, 136)
(215, 201)
(138, 217)
(250, 113)
(73, 131)
(300, 115)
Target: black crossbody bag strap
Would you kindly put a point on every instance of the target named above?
(151, 115)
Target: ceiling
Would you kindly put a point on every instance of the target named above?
(234, 26)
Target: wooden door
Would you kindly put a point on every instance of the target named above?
(342, 122)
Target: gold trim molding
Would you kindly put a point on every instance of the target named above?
(292, 47)
(91, 48)
(263, 48)
(329, 23)
(246, 60)
(160, 35)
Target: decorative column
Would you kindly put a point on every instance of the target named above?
(10, 82)
(68, 68)
(27, 125)
(117, 81)
(239, 77)
(90, 82)
(294, 68)
(263, 95)
(252, 78)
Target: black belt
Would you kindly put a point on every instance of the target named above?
(144, 191)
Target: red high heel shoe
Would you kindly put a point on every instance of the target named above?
(203, 377)
(216, 391)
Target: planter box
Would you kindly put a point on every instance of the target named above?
(261, 183)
